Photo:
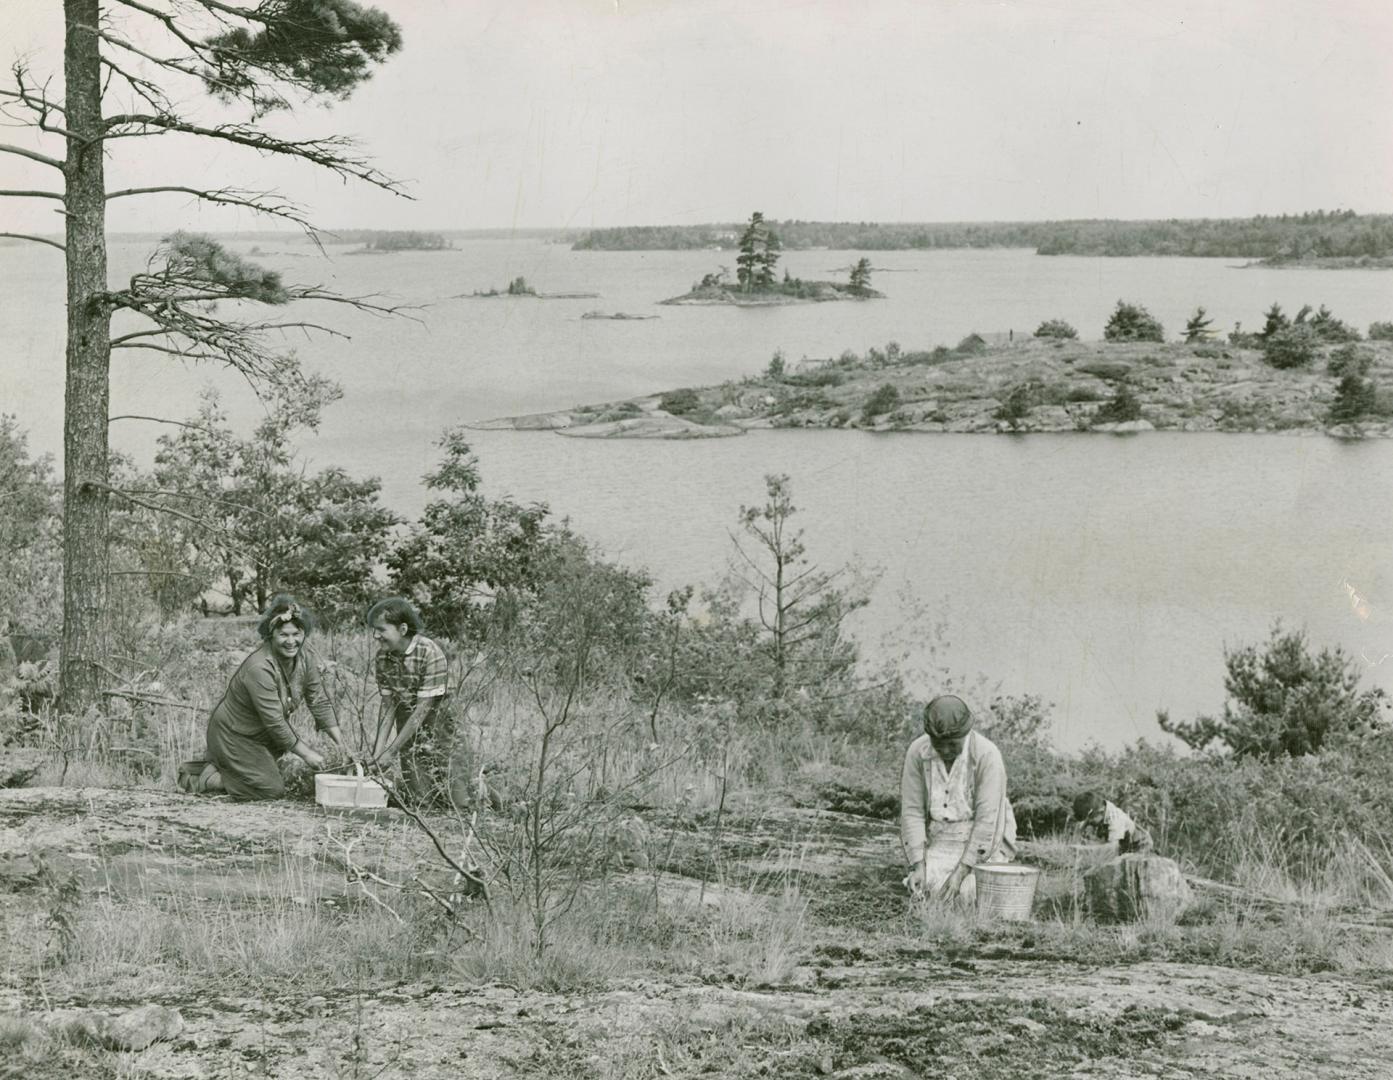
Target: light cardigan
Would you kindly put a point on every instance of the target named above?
(993, 822)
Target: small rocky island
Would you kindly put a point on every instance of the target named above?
(520, 289)
(757, 285)
(1286, 378)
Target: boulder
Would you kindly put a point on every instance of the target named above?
(1134, 887)
(133, 1030)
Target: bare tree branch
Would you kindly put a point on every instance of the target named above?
(147, 91)
(33, 194)
(258, 201)
(332, 152)
(32, 155)
(158, 420)
(36, 239)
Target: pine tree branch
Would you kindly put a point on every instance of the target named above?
(34, 194)
(260, 100)
(36, 239)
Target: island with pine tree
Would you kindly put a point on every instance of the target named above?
(756, 283)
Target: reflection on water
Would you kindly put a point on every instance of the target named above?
(1105, 573)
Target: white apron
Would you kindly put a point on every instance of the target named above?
(945, 850)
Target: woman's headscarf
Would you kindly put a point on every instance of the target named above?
(947, 717)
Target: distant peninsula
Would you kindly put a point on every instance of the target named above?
(1300, 377)
(1310, 239)
(389, 243)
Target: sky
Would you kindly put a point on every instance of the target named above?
(581, 113)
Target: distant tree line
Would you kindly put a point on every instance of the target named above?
(377, 240)
(1321, 233)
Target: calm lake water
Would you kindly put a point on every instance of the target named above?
(1105, 574)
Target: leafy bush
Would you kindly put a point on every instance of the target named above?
(1284, 701)
(1354, 398)
(1132, 322)
(1293, 346)
(1349, 360)
(1381, 331)
(680, 402)
(1055, 328)
(883, 400)
(1123, 407)
(777, 365)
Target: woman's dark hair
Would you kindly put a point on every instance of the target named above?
(395, 611)
(284, 609)
(1087, 803)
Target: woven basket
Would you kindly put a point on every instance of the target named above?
(1005, 890)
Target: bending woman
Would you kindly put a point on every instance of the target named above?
(250, 727)
(954, 814)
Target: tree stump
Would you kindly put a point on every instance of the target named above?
(1134, 887)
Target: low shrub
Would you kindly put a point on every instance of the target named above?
(1291, 347)
(1123, 407)
(805, 401)
(971, 345)
(1078, 394)
(1109, 370)
(1132, 322)
(1017, 405)
(1355, 398)
(826, 376)
(885, 398)
(1330, 329)
(1055, 328)
(1349, 360)
(680, 402)
(1381, 331)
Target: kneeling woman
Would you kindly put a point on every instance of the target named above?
(954, 814)
(250, 727)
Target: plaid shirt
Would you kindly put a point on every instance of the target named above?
(420, 672)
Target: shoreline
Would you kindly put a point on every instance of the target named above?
(1027, 386)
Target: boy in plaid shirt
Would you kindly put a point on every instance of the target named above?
(415, 720)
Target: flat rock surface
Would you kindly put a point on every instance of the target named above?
(839, 1009)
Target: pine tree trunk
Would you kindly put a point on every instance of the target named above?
(85, 413)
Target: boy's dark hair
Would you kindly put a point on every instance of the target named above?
(284, 609)
(1087, 803)
(396, 610)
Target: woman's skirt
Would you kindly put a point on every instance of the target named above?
(248, 768)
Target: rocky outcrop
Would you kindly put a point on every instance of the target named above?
(1132, 888)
